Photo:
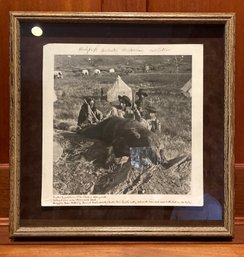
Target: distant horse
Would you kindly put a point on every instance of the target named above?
(85, 72)
(97, 72)
(58, 74)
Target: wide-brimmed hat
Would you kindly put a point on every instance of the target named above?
(141, 92)
(89, 99)
(151, 109)
(124, 99)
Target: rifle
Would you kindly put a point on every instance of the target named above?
(134, 107)
(90, 109)
(133, 98)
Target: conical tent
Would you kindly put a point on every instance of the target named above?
(186, 89)
(119, 88)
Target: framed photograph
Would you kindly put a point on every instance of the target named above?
(122, 124)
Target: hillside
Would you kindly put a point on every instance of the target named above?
(82, 168)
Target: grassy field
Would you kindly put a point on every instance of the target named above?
(163, 83)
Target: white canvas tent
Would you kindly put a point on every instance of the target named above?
(186, 89)
(119, 88)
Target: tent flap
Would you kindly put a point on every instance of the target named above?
(119, 88)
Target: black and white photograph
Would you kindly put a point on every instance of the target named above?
(122, 125)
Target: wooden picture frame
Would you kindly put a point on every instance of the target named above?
(215, 31)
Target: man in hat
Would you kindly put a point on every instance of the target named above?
(153, 122)
(140, 102)
(139, 107)
(89, 114)
(122, 110)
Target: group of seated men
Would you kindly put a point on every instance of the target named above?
(141, 111)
